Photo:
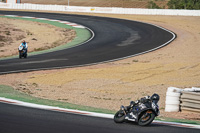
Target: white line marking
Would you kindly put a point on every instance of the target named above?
(71, 24)
(79, 26)
(64, 22)
(54, 20)
(28, 17)
(43, 19)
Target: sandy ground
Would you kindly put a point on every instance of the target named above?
(39, 36)
(111, 84)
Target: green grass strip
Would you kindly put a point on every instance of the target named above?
(10, 93)
(185, 121)
(82, 35)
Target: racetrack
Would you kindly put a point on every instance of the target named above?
(17, 119)
(114, 39)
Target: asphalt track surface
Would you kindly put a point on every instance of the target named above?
(114, 39)
(18, 119)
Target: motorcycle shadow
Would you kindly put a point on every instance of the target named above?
(151, 125)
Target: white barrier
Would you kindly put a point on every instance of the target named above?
(111, 10)
(173, 98)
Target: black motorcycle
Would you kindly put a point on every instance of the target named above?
(142, 111)
(22, 52)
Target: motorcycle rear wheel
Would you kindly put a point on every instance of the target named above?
(146, 118)
(119, 117)
(25, 56)
(20, 55)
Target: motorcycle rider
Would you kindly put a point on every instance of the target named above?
(24, 45)
(23, 48)
(133, 115)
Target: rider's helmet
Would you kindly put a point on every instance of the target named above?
(143, 100)
(155, 97)
(24, 42)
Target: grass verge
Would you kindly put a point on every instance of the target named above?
(9, 92)
(178, 120)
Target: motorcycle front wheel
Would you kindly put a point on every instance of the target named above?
(20, 55)
(119, 117)
(146, 118)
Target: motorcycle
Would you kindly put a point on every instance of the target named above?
(22, 52)
(142, 111)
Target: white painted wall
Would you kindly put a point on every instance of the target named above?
(136, 11)
(11, 1)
